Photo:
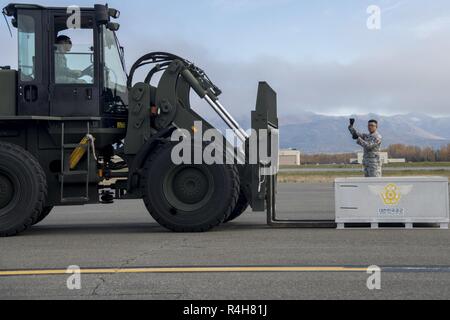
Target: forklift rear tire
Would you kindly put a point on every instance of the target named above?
(23, 189)
(44, 213)
(188, 198)
(240, 208)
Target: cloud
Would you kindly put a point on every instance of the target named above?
(427, 29)
(393, 7)
(240, 5)
(400, 75)
(403, 73)
(413, 79)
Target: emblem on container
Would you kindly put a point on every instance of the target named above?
(391, 194)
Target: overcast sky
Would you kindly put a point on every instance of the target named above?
(318, 55)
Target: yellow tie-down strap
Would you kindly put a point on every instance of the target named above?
(80, 151)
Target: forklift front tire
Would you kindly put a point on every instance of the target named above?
(23, 189)
(44, 213)
(188, 198)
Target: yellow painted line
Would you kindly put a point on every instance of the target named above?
(179, 270)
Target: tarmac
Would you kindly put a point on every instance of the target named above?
(124, 254)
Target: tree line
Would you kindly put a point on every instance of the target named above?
(418, 154)
(410, 153)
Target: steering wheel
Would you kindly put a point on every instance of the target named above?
(89, 71)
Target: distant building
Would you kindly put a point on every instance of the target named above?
(384, 159)
(290, 158)
(397, 160)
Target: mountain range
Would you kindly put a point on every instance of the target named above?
(315, 133)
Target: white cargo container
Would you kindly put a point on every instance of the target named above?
(406, 200)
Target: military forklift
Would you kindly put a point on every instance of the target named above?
(77, 129)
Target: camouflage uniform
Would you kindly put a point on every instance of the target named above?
(372, 146)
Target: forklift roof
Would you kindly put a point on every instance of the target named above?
(11, 9)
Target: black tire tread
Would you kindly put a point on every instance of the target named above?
(44, 214)
(241, 206)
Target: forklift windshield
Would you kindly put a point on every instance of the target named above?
(115, 77)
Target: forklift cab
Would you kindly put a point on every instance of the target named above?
(70, 62)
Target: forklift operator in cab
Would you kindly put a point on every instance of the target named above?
(63, 73)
